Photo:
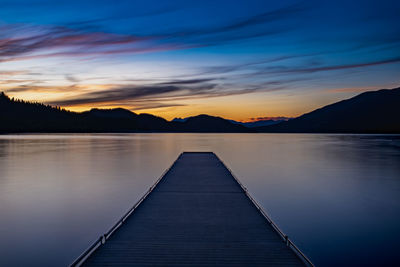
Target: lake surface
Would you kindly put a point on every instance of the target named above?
(336, 196)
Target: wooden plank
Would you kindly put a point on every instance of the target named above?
(197, 215)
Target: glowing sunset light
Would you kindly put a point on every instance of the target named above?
(179, 59)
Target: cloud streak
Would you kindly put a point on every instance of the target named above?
(279, 118)
(244, 28)
(24, 41)
(289, 70)
(260, 69)
(159, 94)
(21, 42)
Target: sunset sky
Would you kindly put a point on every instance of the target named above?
(236, 59)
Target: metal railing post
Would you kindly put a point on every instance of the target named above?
(286, 239)
(102, 239)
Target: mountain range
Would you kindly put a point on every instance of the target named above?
(369, 112)
(250, 124)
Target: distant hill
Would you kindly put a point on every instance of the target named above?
(111, 113)
(21, 116)
(250, 124)
(369, 112)
(206, 123)
(259, 123)
(180, 119)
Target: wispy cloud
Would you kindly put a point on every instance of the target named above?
(25, 41)
(33, 87)
(12, 73)
(188, 82)
(279, 118)
(239, 29)
(19, 42)
(16, 81)
(118, 94)
(286, 69)
(71, 78)
(158, 94)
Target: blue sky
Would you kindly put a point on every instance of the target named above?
(237, 59)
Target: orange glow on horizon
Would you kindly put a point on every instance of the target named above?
(244, 107)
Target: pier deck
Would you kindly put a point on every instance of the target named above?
(198, 214)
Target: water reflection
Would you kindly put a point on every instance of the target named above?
(337, 196)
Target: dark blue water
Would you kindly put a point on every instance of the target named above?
(336, 196)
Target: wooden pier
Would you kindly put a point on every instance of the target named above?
(196, 214)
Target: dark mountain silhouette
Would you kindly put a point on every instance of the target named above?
(250, 124)
(206, 123)
(369, 112)
(259, 123)
(111, 113)
(21, 116)
(180, 119)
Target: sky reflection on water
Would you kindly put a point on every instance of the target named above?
(336, 196)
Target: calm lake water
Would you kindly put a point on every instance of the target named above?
(336, 196)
